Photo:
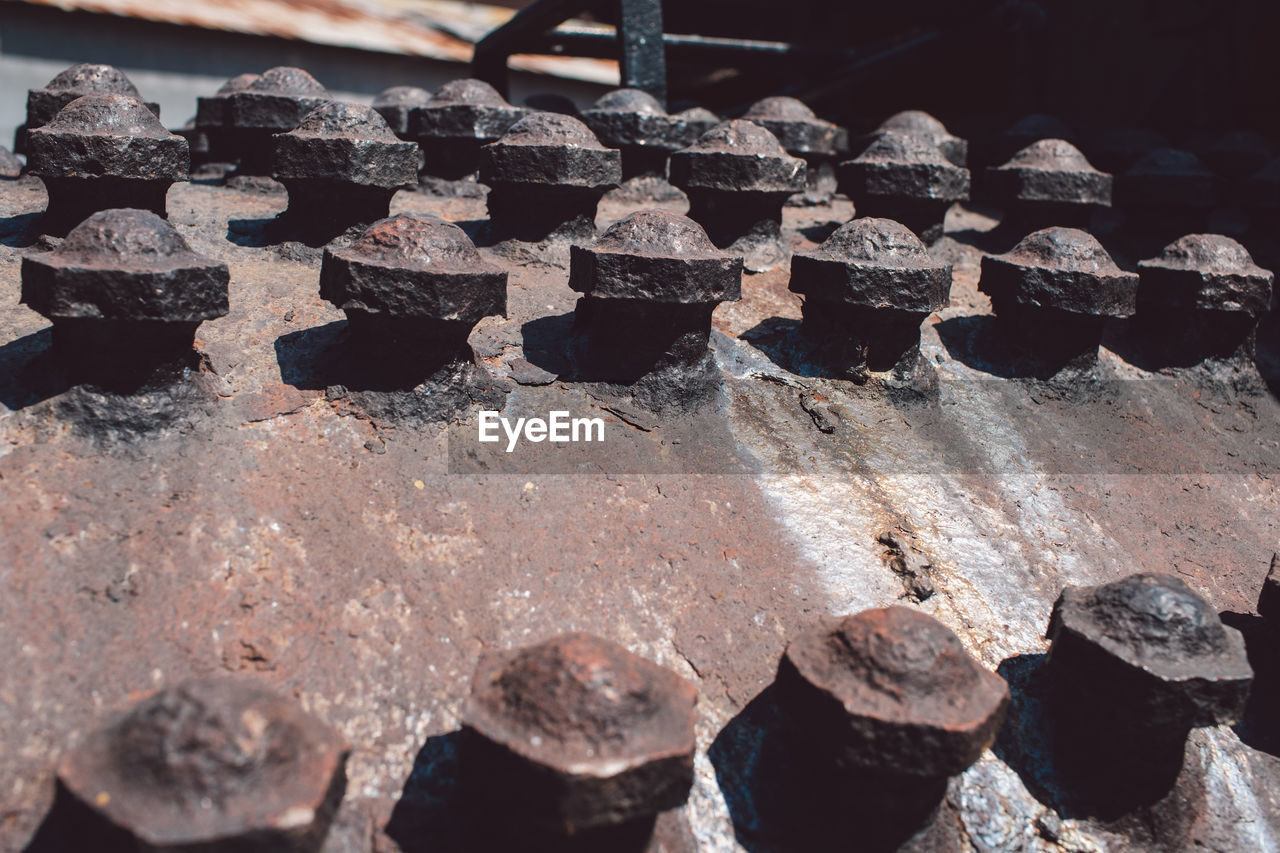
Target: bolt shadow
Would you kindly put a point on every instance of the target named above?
(1258, 727)
(20, 231)
(979, 342)
(250, 233)
(546, 343)
(29, 373)
(782, 340)
(70, 825)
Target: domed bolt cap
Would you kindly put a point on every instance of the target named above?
(1153, 650)
(577, 734)
(211, 764)
(276, 102)
(459, 118)
(75, 82)
(1048, 180)
(891, 691)
(211, 109)
(907, 179)
(104, 151)
(1205, 272)
(1030, 129)
(921, 123)
(797, 128)
(633, 121)
(396, 103)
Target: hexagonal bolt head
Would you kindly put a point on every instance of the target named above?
(413, 287)
(547, 171)
(797, 129)
(396, 103)
(890, 692)
(736, 175)
(577, 734)
(867, 289)
(74, 82)
(633, 121)
(1054, 291)
(1048, 183)
(460, 117)
(276, 102)
(211, 119)
(341, 166)
(211, 764)
(907, 179)
(650, 285)
(1203, 296)
(102, 152)
(124, 290)
(921, 123)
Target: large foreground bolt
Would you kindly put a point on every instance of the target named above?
(341, 166)
(211, 118)
(125, 293)
(920, 123)
(907, 179)
(76, 81)
(215, 764)
(412, 287)
(737, 177)
(650, 285)
(577, 734)
(276, 102)
(395, 105)
(1045, 184)
(104, 151)
(1202, 298)
(866, 291)
(547, 171)
(1134, 666)
(633, 121)
(803, 134)
(1054, 292)
(461, 117)
(1167, 192)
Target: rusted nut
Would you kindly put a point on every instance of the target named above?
(736, 176)
(1054, 292)
(866, 291)
(10, 164)
(547, 171)
(650, 285)
(1048, 183)
(461, 117)
(101, 152)
(276, 102)
(1167, 191)
(577, 734)
(633, 121)
(906, 179)
(413, 287)
(1269, 598)
(211, 764)
(211, 118)
(76, 81)
(123, 290)
(1149, 653)
(1115, 150)
(803, 134)
(920, 123)
(891, 691)
(396, 103)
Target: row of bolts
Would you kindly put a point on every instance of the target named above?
(105, 160)
(577, 737)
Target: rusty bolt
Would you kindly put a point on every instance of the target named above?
(276, 102)
(10, 164)
(578, 733)
(1269, 598)
(76, 81)
(104, 151)
(211, 118)
(907, 179)
(547, 171)
(920, 123)
(211, 764)
(1115, 150)
(396, 103)
(124, 290)
(803, 134)
(866, 291)
(461, 117)
(736, 176)
(633, 121)
(1167, 192)
(650, 285)
(1203, 296)
(1048, 183)
(341, 166)
(891, 691)
(1054, 292)
(1027, 130)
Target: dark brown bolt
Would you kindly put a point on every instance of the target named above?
(413, 287)
(650, 285)
(276, 102)
(461, 117)
(907, 179)
(10, 164)
(1202, 298)
(737, 177)
(1269, 598)
(576, 735)
(76, 81)
(101, 152)
(125, 293)
(547, 172)
(866, 290)
(803, 134)
(212, 764)
(341, 166)
(633, 121)
(396, 103)
(1134, 665)
(992, 149)
(211, 119)
(1045, 184)
(1054, 292)
(1166, 193)
(1114, 150)
(921, 123)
